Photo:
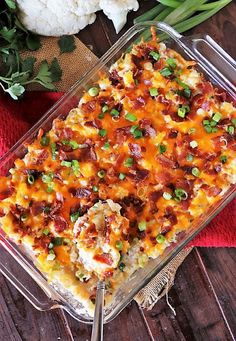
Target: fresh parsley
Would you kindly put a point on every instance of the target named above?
(66, 44)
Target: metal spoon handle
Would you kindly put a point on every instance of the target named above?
(97, 332)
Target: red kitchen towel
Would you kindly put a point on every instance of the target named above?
(16, 117)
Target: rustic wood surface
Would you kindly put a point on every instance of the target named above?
(204, 294)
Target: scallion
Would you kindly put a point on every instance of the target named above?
(153, 92)
(160, 239)
(94, 91)
(101, 173)
(102, 132)
(30, 179)
(195, 172)
(142, 225)
(130, 117)
(129, 162)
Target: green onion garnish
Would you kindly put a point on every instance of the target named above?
(162, 148)
(234, 121)
(106, 146)
(119, 244)
(130, 117)
(50, 188)
(30, 179)
(74, 145)
(192, 131)
(171, 62)
(189, 157)
(153, 92)
(213, 123)
(46, 232)
(23, 217)
(154, 55)
(57, 241)
(166, 72)
(129, 162)
(101, 115)
(54, 150)
(66, 163)
(160, 238)
(50, 245)
(230, 130)
(122, 176)
(167, 195)
(180, 194)
(93, 91)
(47, 178)
(217, 117)
(208, 129)
(142, 225)
(45, 140)
(114, 113)
(74, 216)
(101, 173)
(206, 122)
(223, 158)
(196, 172)
(181, 112)
(193, 144)
(75, 167)
(136, 132)
(102, 132)
(105, 108)
(121, 266)
(95, 189)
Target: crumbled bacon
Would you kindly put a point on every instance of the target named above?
(159, 64)
(153, 198)
(104, 258)
(139, 175)
(42, 157)
(136, 202)
(114, 77)
(167, 162)
(135, 150)
(170, 215)
(94, 123)
(6, 193)
(42, 241)
(146, 125)
(66, 134)
(173, 134)
(88, 154)
(121, 134)
(139, 102)
(80, 192)
(60, 223)
(37, 207)
(89, 106)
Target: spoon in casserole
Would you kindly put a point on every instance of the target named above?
(99, 240)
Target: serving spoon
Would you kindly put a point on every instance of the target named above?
(97, 331)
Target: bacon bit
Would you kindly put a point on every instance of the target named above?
(55, 208)
(207, 88)
(121, 134)
(6, 193)
(206, 105)
(139, 102)
(159, 64)
(185, 184)
(108, 273)
(40, 133)
(220, 94)
(135, 150)
(37, 207)
(139, 175)
(153, 198)
(146, 125)
(134, 201)
(66, 134)
(42, 241)
(2, 214)
(165, 230)
(111, 175)
(80, 192)
(89, 106)
(88, 154)
(173, 134)
(94, 123)
(60, 223)
(104, 258)
(166, 162)
(212, 191)
(114, 77)
(42, 157)
(170, 215)
(118, 106)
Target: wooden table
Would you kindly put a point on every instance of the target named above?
(204, 294)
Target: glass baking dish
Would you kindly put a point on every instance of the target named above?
(19, 268)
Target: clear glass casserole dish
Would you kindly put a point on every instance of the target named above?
(16, 265)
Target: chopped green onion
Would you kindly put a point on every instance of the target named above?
(234, 121)
(114, 113)
(101, 173)
(50, 188)
(153, 92)
(142, 225)
(213, 123)
(217, 117)
(119, 245)
(154, 55)
(101, 115)
(189, 157)
(54, 150)
(50, 245)
(192, 131)
(102, 132)
(223, 158)
(47, 178)
(122, 176)
(121, 266)
(180, 194)
(51, 256)
(230, 130)
(105, 108)
(30, 179)
(136, 131)
(46, 232)
(193, 144)
(208, 129)
(106, 146)
(23, 217)
(181, 112)
(45, 140)
(129, 162)
(130, 117)
(74, 145)
(185, 86)
(167, 195)
(171, 62)
(162, 148)
(75, 167)
(160, 239)
(93, 91)
(214, 130)
(66, 163)
(95, 189)
(206, 122)
(166, 72)
(196, 172)
(74, 216)
(57, 241)
(80, 276)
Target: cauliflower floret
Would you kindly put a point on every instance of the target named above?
(117, 11)
(54, 18)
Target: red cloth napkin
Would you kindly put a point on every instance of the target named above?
(16, 117)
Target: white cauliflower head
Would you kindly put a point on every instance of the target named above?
(117, 11)
(57, 17)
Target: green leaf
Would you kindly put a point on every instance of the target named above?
(8, 34)
(27, 65)
(33, 42)
(19, 77)
(11, 4)
(56, 71)
(20, 26)
(67, 44)
(16, 90)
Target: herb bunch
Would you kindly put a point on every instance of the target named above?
(16, 73)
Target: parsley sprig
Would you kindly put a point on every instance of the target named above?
(17, 73)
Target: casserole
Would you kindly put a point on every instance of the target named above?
(150, 269)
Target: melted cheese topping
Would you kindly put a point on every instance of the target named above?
(152, 135)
